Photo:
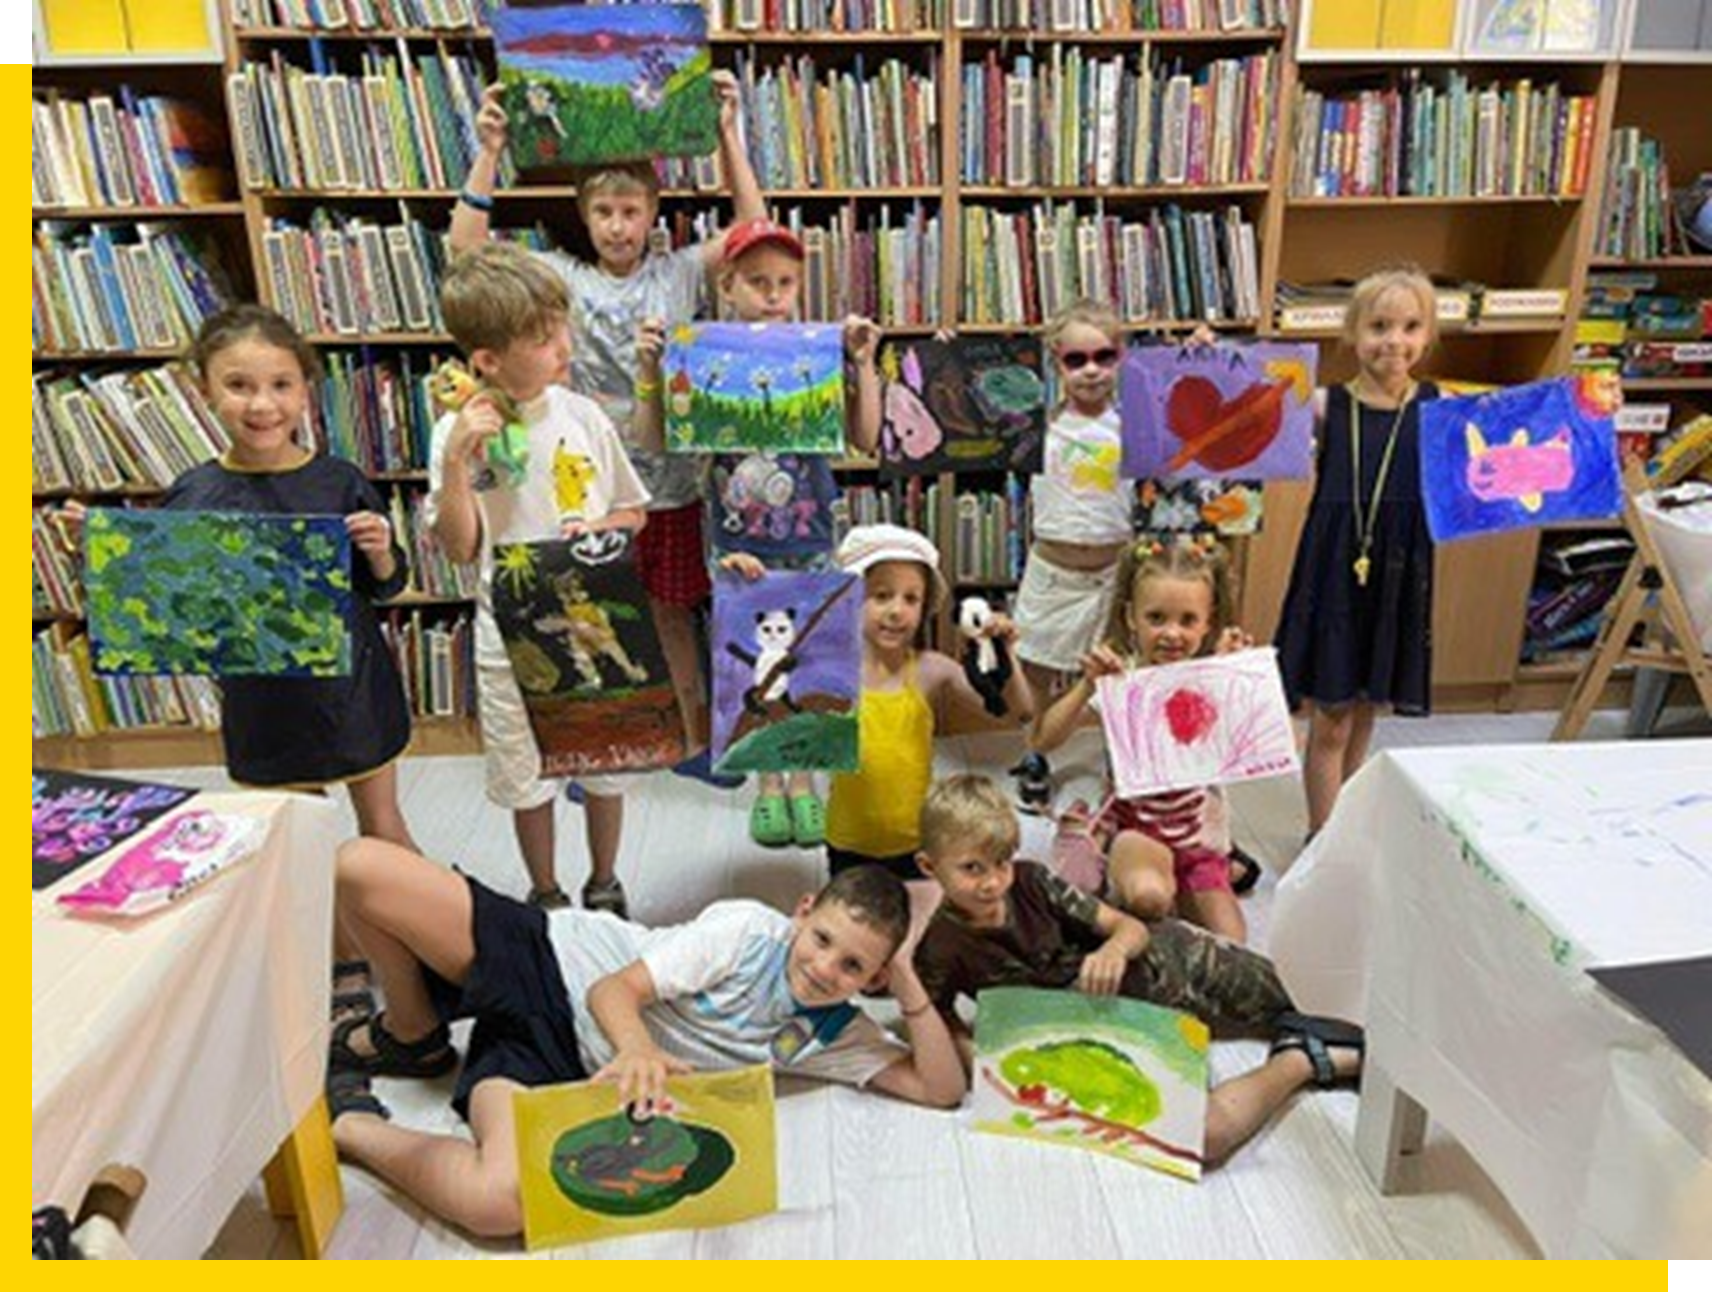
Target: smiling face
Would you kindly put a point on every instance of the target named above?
(833, 955)
(1087, 360)
(763, 285)
(259, 392)
(1390, 338)
(1169, 619)
(618, 224)
(974, 881)
(895, 601)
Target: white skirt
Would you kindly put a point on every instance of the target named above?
(1061, 613)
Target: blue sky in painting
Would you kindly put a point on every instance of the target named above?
(724, 358)
(675, 30)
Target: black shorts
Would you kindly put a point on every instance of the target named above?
(903, 865)
(525, 1031)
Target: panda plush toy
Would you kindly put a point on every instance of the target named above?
(986, 662)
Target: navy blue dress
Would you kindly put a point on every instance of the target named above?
(1337, 640)
(309, 730)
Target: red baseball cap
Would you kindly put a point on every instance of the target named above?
(743, 238)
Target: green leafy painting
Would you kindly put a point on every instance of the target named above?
(218, 594)
(1115, 1076)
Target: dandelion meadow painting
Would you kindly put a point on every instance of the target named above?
(218, 594)
(744, 387)
(1100, 1073)
(588, 83)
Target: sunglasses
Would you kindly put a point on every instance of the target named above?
(1076, 360)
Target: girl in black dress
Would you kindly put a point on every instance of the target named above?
(1355, 632)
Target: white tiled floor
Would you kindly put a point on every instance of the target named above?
(863, 1176)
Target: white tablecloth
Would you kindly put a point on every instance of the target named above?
(1453, 903)
(189, 1043)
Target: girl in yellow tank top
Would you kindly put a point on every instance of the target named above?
(874, 813)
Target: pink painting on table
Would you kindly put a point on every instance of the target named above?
(1202, 722)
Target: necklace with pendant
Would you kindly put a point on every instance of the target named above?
(1364, 523)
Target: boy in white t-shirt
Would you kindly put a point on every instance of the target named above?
(510, 314)
(558, 999)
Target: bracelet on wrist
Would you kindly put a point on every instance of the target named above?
(476, 201)
(646, 387)
(919, 1010)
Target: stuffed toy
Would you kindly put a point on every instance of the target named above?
(452, 386)
(986, 661)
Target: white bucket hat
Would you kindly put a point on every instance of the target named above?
(868, 545)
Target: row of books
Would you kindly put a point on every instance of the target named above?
(436, 660)
(1637, 214)
(1174, 265)
(989, 534)
(67, 698)
(824, 15)
(380, 121)
(432, 573)
(122, 287)
(56, 583)
(129, 151)
(128, 429)
(880, 263)
(1422, 139)
(913, 503)
(353, 275)
(841, 127)
(1071, 118)
(374, 410)
(1118, 15)
(361, 15)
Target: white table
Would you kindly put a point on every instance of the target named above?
(1452, 904)
(191, 1044)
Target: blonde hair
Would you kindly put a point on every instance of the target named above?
(499, 292)
(1405, 277)
(969, 810)
(615, 179)
(1189, 559)
(1089, 313)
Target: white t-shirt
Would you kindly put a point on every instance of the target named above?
(1080, 497)
(577, 471)
(724, 1001)
(606, 312)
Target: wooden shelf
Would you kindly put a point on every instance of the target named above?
(139, 212)
(1001, 35)
(145, 747)
(372, 34)
(1365, 203)
(102, 356)
(421, 600)
(379, 338)
(1662, 384)
(1113, 192)
(1687, 263)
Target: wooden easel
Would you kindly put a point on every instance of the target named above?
(1671, 644)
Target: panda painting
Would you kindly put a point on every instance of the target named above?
(771, 662)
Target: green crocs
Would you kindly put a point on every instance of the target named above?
(770, 821)
(808, 820)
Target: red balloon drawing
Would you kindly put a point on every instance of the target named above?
(1191, 715)
(1223, 434)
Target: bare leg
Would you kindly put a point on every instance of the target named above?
(1360, 740)
(767, 783)
(375, 799)
(605, 825)
(1329, 733)
(1241, 1106)
(474, 1186)
(1042, 686)
(678, 644)
(1140, 872)
(1216, 909)
(800, 783)
(537, 842)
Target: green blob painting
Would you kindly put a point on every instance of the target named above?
(622, 1166)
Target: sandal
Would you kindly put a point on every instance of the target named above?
(770, 821)
(350, 1092)
(808, 820)
(359, 1003)
(432, 1056)
(1244, 871)
(549, 899)
(1317, 1036)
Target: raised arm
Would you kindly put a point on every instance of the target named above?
(933, 1074)
(862, 395)
(648, 414)
(457, 518)
(1064, 714)
(470, 220)
(747, 202)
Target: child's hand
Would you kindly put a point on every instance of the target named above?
(744, 564)
(477, 423)
(1000, 628)
(640, 1075)
(371, 533)
(68, 522)
(1232, 639)
(725, 89)
(861, 340)
(1202, 336)
(491, 122)
(1102, 971)
(650, 347)
(1100, 662)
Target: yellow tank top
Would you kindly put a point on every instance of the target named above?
(876, 810)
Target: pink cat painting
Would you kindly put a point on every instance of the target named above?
(1519, 470)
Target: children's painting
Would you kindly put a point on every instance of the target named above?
(1520, 458)
(218, 594)
(969, 404)
(588, 83)
(1218, 412)
(582, 642)
(591, 1170)
(1204, 721)
(177, 857)
(76, 818)
(1113, 1076)
(787, 671)
(772, 387)
(1225, 507)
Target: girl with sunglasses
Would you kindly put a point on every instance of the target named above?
(1082, 521)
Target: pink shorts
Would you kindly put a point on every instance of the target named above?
(1197, 869)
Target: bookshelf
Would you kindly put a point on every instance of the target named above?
(993, 151)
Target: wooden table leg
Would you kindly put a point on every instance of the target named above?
(303, 1181)
(1389, 1125)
